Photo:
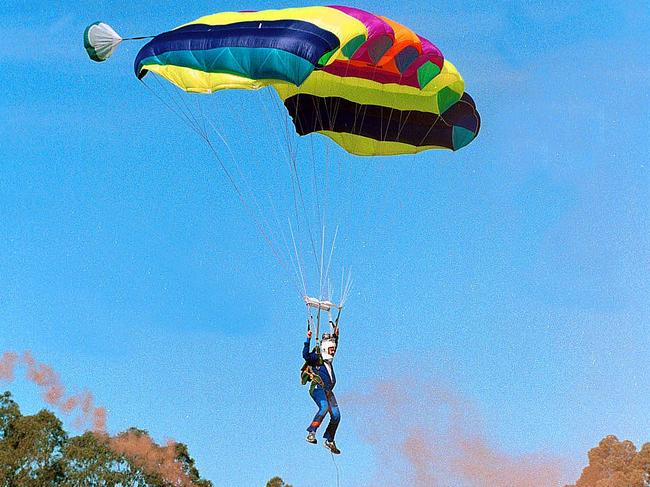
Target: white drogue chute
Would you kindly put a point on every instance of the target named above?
(100, 40)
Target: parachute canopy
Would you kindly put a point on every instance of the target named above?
(372, 85)
(100, 40)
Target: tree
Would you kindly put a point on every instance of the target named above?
(615, 463)
(35, 451)
(9, 411)
(277, 482)
(31, 450)
(90, 460)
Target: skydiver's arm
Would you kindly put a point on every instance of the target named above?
(310, 357)
(335, 325)
(305, 349)
(335, 329)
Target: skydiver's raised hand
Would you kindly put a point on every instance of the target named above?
(335, 328)
(309, 334)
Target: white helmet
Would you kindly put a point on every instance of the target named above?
(327, 347)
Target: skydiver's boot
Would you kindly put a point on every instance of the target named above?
(331, 446)
(311, 437)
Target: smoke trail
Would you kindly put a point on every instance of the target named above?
(135, 444)
(149, 456)
(7, 365)
(88, 416)
(426, 435)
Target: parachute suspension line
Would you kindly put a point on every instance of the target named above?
(365, 106)
(323, 222)
(183, 106)
(302, 276)
(337, 104)
(262, 222)
(248, 208)
(246, 183)
(300, 205)
(294, 264)
(341, 288)
(318, 327)
(291, 149)
(282, 137)
(438, 117)
(315, 183)
(345, 294)
(178, 110)
(270, 122)
(298, 195)
(290, 158)
(201, 119)
(296, 177)
(378, 140)
(329, 262)
(390, 116)
(337, 470)
(195, 126)
(403, 124)
(302, 202)
(322, 252)
(315, 186)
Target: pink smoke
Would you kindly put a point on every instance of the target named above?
(136, 445)
(88, 416)
(151, 457)
(426, 435)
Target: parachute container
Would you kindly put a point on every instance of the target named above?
(100, 40)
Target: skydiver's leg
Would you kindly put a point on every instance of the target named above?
(335, 418)
(318, 395)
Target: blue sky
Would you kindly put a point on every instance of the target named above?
(514, 271)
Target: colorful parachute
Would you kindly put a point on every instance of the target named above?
(370, 84)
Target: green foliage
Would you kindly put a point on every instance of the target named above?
(35, 451)
(89, 460)
(31, 449)
(9, 410)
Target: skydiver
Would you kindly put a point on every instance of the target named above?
(318, 365)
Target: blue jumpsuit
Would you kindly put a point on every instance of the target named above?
(323, 396)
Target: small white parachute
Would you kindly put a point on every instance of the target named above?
(100, 40)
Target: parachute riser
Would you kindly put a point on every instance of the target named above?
(326, 306)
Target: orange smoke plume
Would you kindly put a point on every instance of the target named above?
(88, 416)
(135, 444)
(7, 365)
(425, 435)
(151, 457)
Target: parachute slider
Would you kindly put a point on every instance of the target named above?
(318, 304)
